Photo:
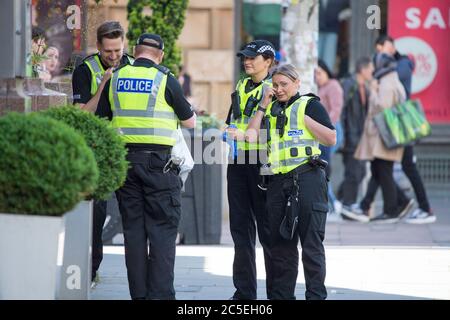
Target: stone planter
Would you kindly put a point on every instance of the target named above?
(46, 257)
(31, 256)
(76, 270)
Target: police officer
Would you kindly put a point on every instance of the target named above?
(297, 192)
(145, 103)
(88, 80)
(246, 199)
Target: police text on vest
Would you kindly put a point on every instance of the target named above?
(134, 85)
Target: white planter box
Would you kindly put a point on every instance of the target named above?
(76, 271)
(31, 256)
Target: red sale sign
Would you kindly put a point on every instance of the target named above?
(421, 29)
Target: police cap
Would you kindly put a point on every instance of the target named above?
(257, 47)
(151, 40)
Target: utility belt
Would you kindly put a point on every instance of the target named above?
(156, 159)
(290, 221)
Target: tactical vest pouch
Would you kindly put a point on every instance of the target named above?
(235, 105)
(251, 104)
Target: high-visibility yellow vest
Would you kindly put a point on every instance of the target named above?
(292, 149)
(243, 121)
(97, 70)
(141, 113)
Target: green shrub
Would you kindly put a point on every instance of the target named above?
(46, 168)
(108, 148)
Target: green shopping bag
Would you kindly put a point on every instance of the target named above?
(402, 124)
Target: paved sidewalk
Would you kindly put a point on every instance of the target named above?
(364, 261)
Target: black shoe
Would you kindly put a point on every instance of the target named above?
(384, 218)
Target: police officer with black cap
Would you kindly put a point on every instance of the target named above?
(145, 103)
(246, 200)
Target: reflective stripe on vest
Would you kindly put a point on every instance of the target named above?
(142, 116)
(296, 135)
(97, 71)
(243, 121)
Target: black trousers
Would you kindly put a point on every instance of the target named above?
(248, 213)
(410, 169)
(393, 197)
(312, 216)
(354, 172)
(150, 206)
(97, 231)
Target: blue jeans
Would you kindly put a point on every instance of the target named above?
(328, 47)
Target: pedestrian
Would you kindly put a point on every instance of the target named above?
(356, 98)
(297, 192)
(405, 68)
(422, 214)
(386, 91)
(88, 81)
(247, 201)
(145, 103)
(331, 95)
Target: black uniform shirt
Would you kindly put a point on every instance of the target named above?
(315, 110)
(81, 81)
(174, 97)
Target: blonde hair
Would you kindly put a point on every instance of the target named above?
(287, 70)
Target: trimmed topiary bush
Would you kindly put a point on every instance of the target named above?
(109, 150)
(167, 20)
(46, 168)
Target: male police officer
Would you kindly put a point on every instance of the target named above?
(88, 81)
(145, 103)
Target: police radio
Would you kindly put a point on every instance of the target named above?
(281, 123)
(251, 104)
(235, 105)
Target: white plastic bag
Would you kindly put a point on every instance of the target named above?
(181, 150)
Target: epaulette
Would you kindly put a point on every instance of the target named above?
(161, 68)
(312, 95)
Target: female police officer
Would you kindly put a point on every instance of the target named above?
(246, 200)
(297, 191)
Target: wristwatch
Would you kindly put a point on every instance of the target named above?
(261, 109)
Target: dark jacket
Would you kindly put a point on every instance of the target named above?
(405, 68)
(353, 114)
(328, 15)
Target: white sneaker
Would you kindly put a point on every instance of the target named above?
(419, 216)
(337, 206)
(355, 213)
